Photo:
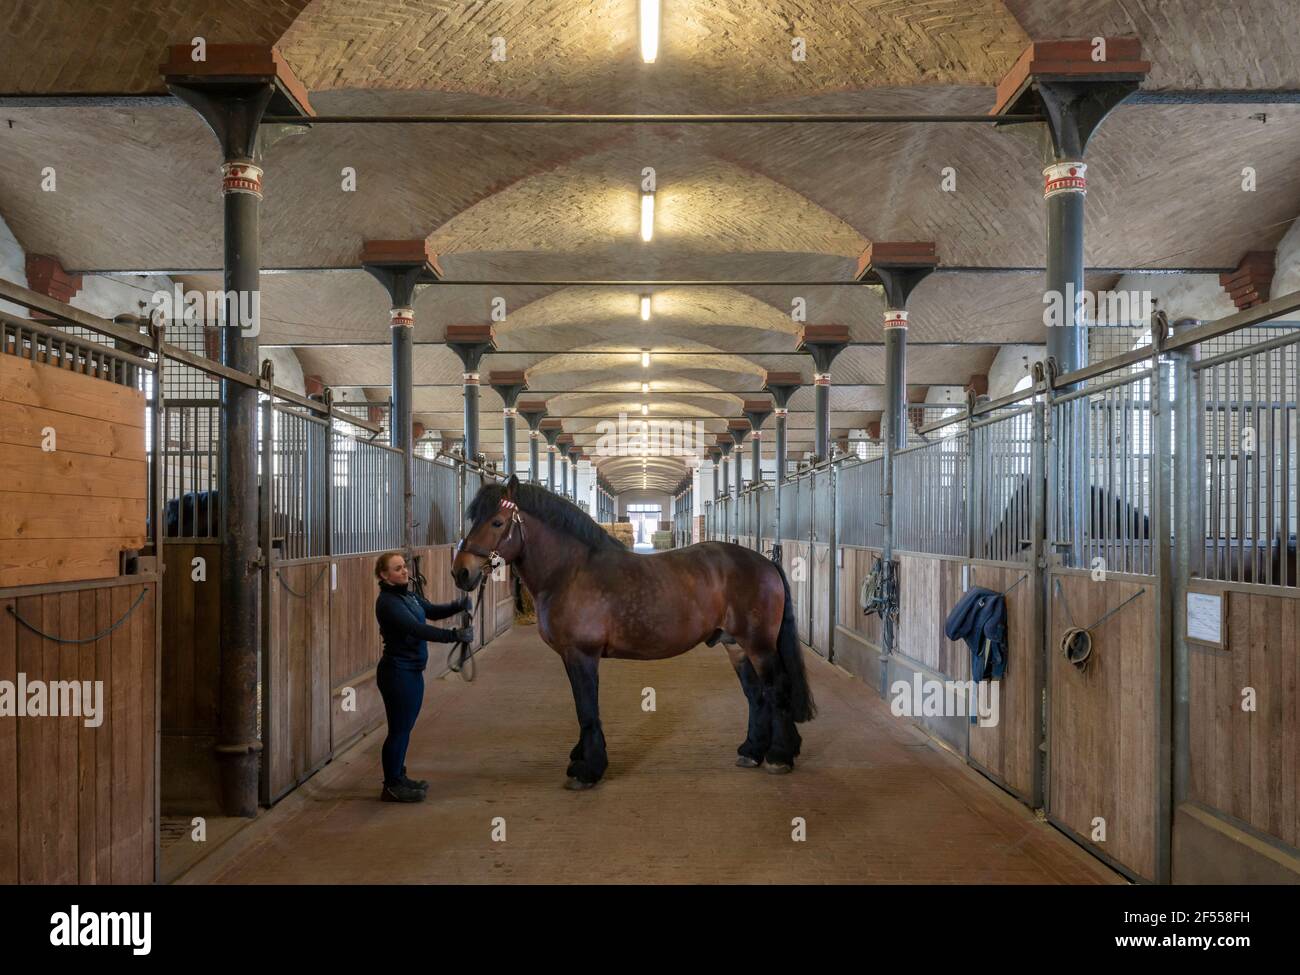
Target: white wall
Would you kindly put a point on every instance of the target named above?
(665, 502)
(1287, 277)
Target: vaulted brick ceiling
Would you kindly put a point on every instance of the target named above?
(137, 187)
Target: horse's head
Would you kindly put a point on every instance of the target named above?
(496, 531)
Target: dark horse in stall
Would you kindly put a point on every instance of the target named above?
(596, 599)
(1109, 518)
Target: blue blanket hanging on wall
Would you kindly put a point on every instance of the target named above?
(980, 618)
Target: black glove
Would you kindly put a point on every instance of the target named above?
(465, 634)
(466, 605)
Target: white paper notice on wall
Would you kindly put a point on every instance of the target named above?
(965, 578)
(334, 576)
(1205, 617)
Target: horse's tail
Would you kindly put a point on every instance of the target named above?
(791, 680)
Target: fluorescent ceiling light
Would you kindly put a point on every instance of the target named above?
(647, 217)
(649, 30)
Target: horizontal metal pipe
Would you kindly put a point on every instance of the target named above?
(766, 118)
(1124, 380)
(708, 283)
(1280, 342)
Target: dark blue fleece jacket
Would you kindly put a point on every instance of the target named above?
(401, 615)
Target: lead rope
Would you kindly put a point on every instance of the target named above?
(460, 652)
(1076, 642)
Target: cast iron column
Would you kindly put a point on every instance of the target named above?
(823, 343)
(508, 385)
(782, 386)
(551, 428)
(533, 413)
(400, 265)
(1076, 84)
(471, 343)
(232, 95)
(898, 267)
(737, 429)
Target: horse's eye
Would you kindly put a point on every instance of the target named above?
(498, 523)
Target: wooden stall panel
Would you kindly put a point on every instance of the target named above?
(849, 614)
(821, 598)
(798, 569)
(1009, 749)
(1103, 733)
(355, 646)
(77, 799)
(191, 677)
(67, 512)
(1246, 763)
(927, 589)
(296, 695)
(354, 649)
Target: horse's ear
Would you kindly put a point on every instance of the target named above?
(512, 485)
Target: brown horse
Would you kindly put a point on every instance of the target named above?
(596, 599)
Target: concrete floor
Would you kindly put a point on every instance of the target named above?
(881, 802)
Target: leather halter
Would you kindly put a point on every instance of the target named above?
(493, 556)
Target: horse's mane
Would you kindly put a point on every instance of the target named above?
(557, 512)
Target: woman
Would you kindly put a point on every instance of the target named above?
(401, 614)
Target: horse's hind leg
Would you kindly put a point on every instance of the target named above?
(785, 738)
(588, 758)
(759, 735)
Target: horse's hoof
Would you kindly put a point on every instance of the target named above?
(577, 784)
(779, 768)
(744, 761)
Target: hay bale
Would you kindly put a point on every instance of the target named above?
(622, 530)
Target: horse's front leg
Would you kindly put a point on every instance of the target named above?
(589, 759)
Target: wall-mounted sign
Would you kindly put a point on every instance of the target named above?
(1205, 618)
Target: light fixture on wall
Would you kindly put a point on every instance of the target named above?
(649, 30)
(645, 308)
(645, 387)
(645, 358)
(645, 409)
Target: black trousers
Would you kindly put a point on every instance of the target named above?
(403, 694)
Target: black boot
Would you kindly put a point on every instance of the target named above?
(401, 793)
(414, 783)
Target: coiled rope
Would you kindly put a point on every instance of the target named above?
(1076, 641)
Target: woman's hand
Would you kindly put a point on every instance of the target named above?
(465, 634)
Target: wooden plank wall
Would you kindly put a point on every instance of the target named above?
(928, 587)
(355, 647)
(1247, 764)
(296, 693)
(66, 514)
(190, 679)
(1103, 720)
(800, 579)
(1009, 750)
(821, 598)
(77, 803)
(848, 608)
